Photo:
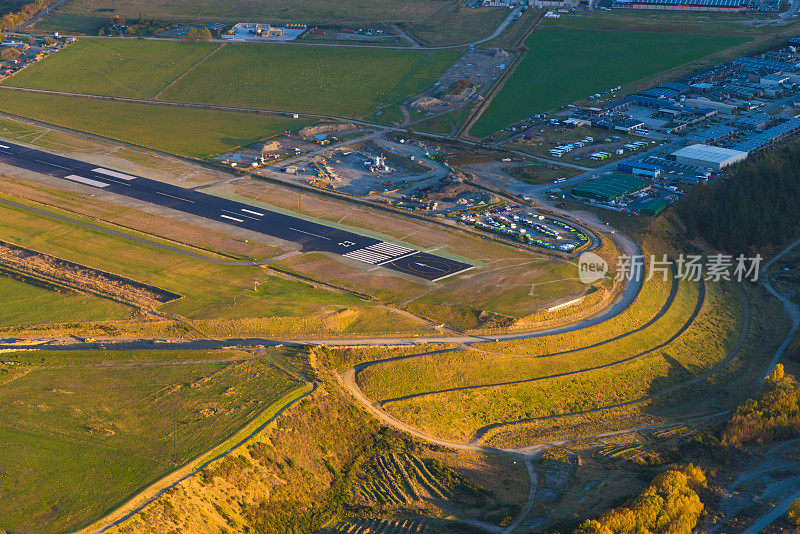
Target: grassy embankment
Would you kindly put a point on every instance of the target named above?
(84, 431)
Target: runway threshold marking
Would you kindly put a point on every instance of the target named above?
(367, 256)
(115, 174)
(231, 218)
(86, 181)
(309, 233)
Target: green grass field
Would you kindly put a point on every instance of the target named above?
(335, 81)
(565, 65)
(79, 439)
(24, 303)
(356, 11)
(128, 68)
(184, 131)
(209, 290)
(420, 18)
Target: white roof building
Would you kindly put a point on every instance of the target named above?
(708, 157)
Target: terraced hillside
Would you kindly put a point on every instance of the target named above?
(680, 348)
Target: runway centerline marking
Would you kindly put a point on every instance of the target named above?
(390, 260)
(53, 164)
(172, 196)
(309, 233)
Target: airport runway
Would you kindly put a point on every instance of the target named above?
(310, 235)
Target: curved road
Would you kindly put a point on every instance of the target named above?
(620, 304)
(676, 335)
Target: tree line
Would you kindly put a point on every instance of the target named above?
(753, 207)
(9, 21)
(773, 415)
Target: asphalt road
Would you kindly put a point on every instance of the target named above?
(311, 236)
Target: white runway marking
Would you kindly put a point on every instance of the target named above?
(86, 181)
(177, 198)
(237, 213)
(4, 146)
(309, 233)
(115, 174)
(390, 260)
(52, 164)
(367, 256)
(253, 212)
(390, 249)
(231, 218)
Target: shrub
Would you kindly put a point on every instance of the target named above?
(793, 515)
(670, 504)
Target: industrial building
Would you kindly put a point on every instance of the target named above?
(737, 6)
(716, 6)
(640, 169)
(610, 187)
(769, 137)
(653, 207)
(707, 156)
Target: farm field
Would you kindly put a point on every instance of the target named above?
(129, 68)
(354, 11)
(592, 61)
(136, 418)
(170, 129)
(334, 81)
(33, 303)
(418, 17)
(331, 81)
